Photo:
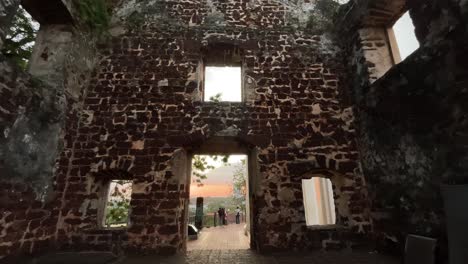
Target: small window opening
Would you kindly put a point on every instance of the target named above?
(20, 38)
(223, 84)
(342, 2)
(406, 41)
(319, 203)
(117, 208)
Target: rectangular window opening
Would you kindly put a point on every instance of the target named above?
(319, 204)
(405, 41)
(117, 208)
(223, 84)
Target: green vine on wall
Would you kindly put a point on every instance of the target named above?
(323, 15)
(94, 14)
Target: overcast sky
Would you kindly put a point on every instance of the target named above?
(405, 36)
(224, 80)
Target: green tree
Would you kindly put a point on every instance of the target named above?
(94, 14)
(239, 180)
(118, 205)
(200, 165)
(20, 39)
(216, 98)
(322, 16)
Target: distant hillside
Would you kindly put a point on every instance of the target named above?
(211, 204)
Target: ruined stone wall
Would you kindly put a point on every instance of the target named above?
(25, 111)
(142, 112)
(412, 122)
(34, 106)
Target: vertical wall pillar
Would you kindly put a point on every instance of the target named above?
(199, 213)
(377, 51)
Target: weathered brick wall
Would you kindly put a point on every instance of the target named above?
(33, 110)
(142, 111)
(411, 119)
(23, 219)
(24, 222)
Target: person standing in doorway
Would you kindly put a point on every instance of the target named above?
(224, 215)
(220, 216)
(238, 215)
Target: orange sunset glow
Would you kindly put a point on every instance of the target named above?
(210, 190)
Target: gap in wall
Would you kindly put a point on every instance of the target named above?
(222, 182)
(405, 36)
(223, 84)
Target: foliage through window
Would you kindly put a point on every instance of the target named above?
(20, 39)
(240, 184)
(118, 204)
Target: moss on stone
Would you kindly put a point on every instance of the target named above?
(94, 14)
(322, 16)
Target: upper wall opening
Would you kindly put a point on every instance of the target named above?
(405, 41)
(223, 83)
(222, 73)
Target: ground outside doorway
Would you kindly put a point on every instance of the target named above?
(228, 237)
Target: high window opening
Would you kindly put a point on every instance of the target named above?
(117, 207)
(405, 38)
(319, 203)
(20, 38)
(219, 205)
(223, 84)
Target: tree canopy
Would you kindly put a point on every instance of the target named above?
(20, 39)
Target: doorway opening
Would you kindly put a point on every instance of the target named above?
(219, 208)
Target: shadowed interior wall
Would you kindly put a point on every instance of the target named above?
(412, 123)
(141, 112)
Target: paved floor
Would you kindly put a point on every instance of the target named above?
(250, 257)
(228, 237)
(219, 245)
(243, 256)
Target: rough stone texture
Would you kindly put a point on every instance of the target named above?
(140, 117)
(33, 110)
(412, 122)
(143, 109)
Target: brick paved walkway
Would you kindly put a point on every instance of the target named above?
(244, 256)
(220, 238)
(220, 245)
(250, 257)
